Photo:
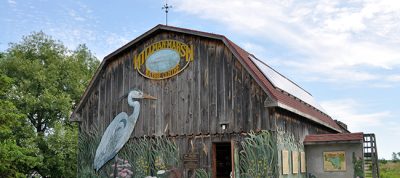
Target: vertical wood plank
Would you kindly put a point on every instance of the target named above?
(158, 105)
(246, 106)
(188, 115)
(166, 106)
(258, 105)
(125, 83)
(196, 88)
(220, 88)
(174, 105)
(184, 102)
(237, 88)
(108, 99)
(102, 102)
(114, 91)
(204, 89)
(212, 87)
(229, 89)
(95, 110)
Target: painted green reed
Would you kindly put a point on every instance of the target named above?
(202, 173)
(258, 157)
(145, 155)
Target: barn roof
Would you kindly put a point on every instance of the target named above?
(340, 137)
(283, 93)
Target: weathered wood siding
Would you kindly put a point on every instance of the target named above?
(214, 89)
(298, 126)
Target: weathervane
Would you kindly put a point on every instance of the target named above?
(166, 7)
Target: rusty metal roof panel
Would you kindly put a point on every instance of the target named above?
(334, 137)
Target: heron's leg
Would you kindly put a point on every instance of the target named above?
(115, 166)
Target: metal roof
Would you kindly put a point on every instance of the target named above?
(283, 83)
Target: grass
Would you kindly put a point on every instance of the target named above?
(389, 169)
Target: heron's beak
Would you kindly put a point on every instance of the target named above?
(123, 96)
(146, 96)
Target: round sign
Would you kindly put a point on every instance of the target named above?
(162, 61)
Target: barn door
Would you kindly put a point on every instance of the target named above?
(222, 160)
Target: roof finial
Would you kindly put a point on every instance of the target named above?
(166, 7)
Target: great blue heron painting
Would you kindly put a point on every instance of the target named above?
(119, 131)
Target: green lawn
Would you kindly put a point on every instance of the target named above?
(390, 170)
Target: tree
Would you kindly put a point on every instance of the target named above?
(17, 156)
(394, 157)
(47, 81)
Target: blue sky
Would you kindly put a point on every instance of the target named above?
(345, 53)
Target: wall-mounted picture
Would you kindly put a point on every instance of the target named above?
(335, 161)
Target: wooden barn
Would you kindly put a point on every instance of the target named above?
(219, 111)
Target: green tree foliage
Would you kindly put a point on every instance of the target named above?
(17, 153)
(60, 155)
(383, 161)
(45, 81)
(394, 157)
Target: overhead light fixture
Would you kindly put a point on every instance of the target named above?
(224, 126)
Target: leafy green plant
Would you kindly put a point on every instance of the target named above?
(358, 166)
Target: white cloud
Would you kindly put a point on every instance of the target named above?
(393, 78)
(73, 14)
(12, 2)
(337, 40)
(360, 117)
(73, 36)
(116, 40)
(394, 128)
(354, 114)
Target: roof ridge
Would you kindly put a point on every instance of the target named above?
(188, 29)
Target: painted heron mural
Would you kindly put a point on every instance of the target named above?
(119, 131)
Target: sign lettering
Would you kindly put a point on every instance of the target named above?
(191, 160)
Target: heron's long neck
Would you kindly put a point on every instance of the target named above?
(136, 108)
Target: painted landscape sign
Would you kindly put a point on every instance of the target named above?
(334, 161)
(163, 59)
